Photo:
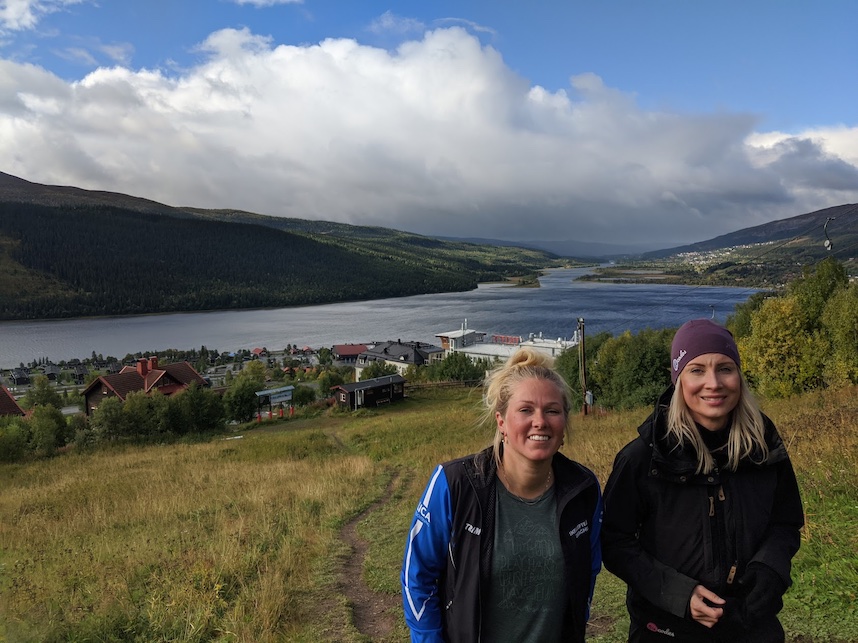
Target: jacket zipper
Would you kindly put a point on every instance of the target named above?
(731, 573)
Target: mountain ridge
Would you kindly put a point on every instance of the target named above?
(70, 252)
(67, 252)
(810, 225)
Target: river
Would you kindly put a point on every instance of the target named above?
(552, 309)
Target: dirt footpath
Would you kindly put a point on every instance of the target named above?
(372, 612)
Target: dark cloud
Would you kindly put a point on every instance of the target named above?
(803, 162)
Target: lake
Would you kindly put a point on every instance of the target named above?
(552, 309)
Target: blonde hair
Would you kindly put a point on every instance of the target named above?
(524, 364)
(747, 434)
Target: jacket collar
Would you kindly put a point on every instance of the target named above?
(569, 476)
(682, 460)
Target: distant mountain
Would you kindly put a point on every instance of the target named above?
(806, 234)
(565, 247)
(67, 252)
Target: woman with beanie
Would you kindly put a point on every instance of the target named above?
(504, 545)
(702, 509)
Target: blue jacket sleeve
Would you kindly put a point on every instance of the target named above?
(425, 560)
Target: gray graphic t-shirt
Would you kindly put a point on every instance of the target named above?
(525, 599)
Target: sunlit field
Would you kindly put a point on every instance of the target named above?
(239, 539)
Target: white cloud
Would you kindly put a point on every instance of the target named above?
(90, 52)
(438, 137)
(388, 22)
(470, 25)
(119, 52)
(17, 15)
(79, 55)
(267, 3)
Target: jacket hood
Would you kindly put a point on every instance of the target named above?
(682, 459)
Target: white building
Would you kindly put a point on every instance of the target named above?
(477, 344)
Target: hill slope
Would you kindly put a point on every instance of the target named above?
(805, 233)
(66, 252)
(764, 256)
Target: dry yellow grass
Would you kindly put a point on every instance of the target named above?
(237, 540)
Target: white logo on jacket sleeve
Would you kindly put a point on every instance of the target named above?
(473, 530)
(580, 529)
(423, 508)
(423, 512)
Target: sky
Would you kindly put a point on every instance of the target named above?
(641, 124)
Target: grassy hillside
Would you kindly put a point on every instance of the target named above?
(98, 259)
(241, 540)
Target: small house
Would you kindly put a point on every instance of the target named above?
(19, 376)
(8, 404)
(372, 392)
(80, 373)
(347, 353)
(146, 376)
(52, 371)
(400, 355)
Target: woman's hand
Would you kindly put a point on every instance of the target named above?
(704, 606)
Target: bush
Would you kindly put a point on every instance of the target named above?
(303, 395)
(48, 430)
(13, 441)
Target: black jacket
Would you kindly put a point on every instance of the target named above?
(449, 553)
(667, 529)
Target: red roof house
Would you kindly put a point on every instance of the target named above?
(146, 376)
(8, 405)
(347, 353)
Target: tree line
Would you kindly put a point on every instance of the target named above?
(102, 260)
(801, 339)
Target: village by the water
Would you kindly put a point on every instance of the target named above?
(86, 382)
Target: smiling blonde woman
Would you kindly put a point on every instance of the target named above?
(504, 545)
(702, 509)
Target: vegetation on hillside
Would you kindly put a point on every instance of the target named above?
(767, 256)
(198, 412)
(804, 339)
(239, 540)
(103, 260)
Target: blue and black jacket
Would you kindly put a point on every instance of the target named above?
(448, 555)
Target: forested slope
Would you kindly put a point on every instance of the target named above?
(82, 259)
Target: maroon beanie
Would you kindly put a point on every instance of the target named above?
(698, 337)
